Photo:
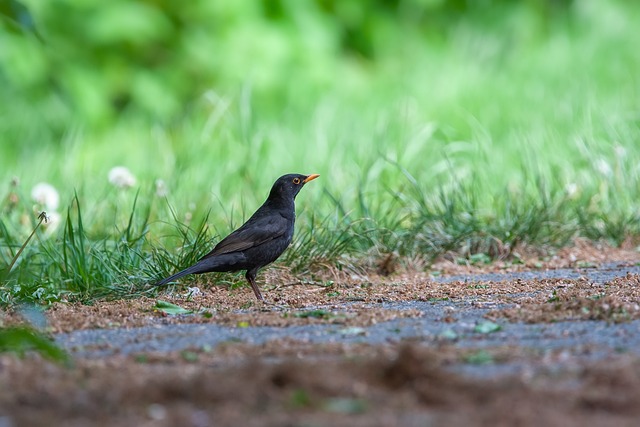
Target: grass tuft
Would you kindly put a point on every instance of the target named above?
(502, 129)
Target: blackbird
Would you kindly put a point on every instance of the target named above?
(260, 240)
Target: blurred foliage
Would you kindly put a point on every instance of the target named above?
(92, 60)
(21, 339)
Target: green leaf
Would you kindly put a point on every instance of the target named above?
(480, 357)
(141, 358)
(21, 340)
(132, 22)
(487, 327)
(449, 334)
(189, 356)
(480, 258)
(353, 331)
(300, 398)
(345, 405)
(168, 308)
(317, 314)
(554, 297)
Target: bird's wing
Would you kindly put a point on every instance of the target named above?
(250, 234)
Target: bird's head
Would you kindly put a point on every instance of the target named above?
(288, 186)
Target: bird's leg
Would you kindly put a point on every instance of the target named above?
(251, 278)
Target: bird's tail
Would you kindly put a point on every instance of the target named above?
(178, 275)
(225, 262)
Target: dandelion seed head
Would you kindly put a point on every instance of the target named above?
(121, 177)
(161, 188)
(571, 189)
(53, 221)
(46, 195)
(603, 167)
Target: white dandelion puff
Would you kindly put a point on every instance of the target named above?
(603, 167)
(121, 177)
(53, 221)
(571, 189)
(46, 195)
(161, 188)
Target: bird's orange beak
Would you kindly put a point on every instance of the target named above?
(311, 177)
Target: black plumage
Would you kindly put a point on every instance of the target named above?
(260, 240)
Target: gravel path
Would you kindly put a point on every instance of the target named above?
(550, 345)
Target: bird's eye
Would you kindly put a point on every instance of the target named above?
(296, 181)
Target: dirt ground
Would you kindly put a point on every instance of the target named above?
(295, 383)
(382, 386)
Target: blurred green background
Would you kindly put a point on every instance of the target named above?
(174, 90)
(443, 121)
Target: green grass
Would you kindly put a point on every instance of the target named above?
(502, 133)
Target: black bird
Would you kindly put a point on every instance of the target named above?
(260, 240)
